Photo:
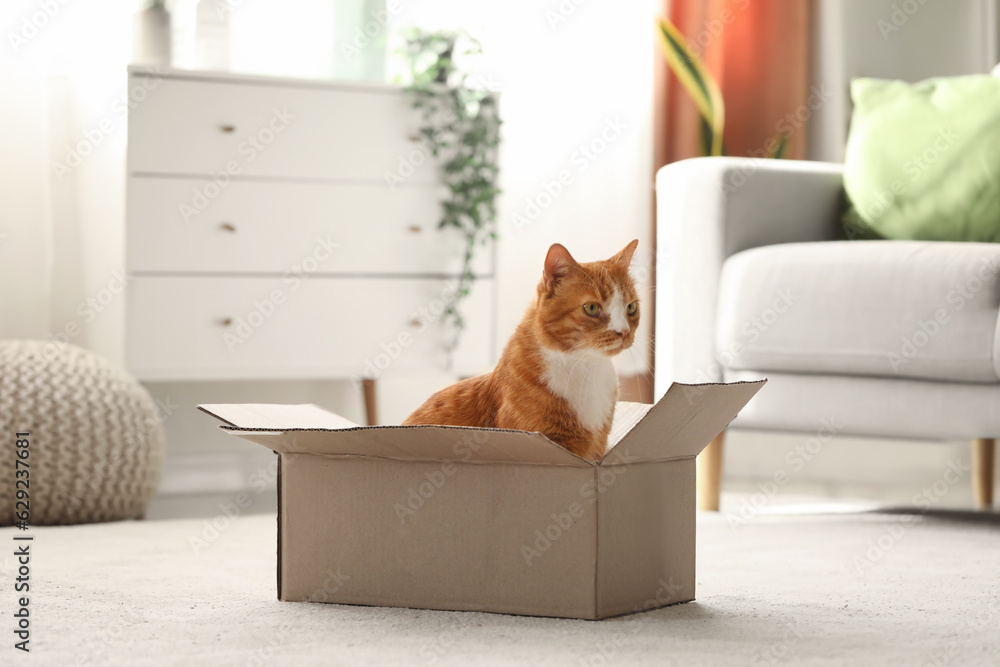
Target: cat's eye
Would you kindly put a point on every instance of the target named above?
(593, 309)
(632, 307)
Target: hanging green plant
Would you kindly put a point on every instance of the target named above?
(461, 127)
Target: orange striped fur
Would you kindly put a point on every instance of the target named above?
(555, 375)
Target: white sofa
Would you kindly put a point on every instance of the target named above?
(892, 339)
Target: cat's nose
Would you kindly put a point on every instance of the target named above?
(624, 333)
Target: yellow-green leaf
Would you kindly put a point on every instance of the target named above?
(693, 75)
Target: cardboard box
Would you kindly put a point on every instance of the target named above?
(458, 518)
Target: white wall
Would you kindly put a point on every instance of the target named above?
(565, 78)
(893, 39)
(61, 73)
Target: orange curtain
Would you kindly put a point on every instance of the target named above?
(758, 52)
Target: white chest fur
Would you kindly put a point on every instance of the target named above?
(588, 382)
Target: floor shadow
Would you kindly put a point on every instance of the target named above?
(982, 518)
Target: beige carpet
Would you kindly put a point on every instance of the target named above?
(783, 590)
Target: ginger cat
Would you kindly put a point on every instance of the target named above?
(555, 375)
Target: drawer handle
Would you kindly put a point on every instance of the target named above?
(414, 138)
(416, 229)
(226, 321)
(228, 128)
(228, 227)
(416, 322)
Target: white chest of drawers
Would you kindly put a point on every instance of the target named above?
(263, 241)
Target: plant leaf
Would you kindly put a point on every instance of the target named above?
(690, 70)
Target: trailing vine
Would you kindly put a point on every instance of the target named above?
(461, 127)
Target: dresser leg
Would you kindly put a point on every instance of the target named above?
(984, 457)
(371, 411)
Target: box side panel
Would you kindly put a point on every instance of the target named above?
(281, 505)
(646, 536)
(510, 538)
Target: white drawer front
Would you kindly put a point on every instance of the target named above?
(275, 227)
(283, 329)
(198, 127)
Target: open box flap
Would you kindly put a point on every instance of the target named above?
(312, 430)
(679, 425)
(251, 416)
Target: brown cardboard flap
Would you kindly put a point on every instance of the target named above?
(418, 443)
(263, 416)
(627, 415)
(308, 429)
(680, 424)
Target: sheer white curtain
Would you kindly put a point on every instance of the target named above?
(62, 165)
(570, 76)
(576, 96)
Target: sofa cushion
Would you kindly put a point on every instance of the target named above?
(881, 308)
(922, 159)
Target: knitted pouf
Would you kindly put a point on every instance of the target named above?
(95, 439)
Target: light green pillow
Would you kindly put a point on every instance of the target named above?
(923, 160)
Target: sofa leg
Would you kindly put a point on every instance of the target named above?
(984, 457)
(371, 405)
(710, 474)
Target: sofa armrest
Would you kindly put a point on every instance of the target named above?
(708, 209)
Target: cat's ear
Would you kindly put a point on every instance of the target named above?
(625, 256)
(558, 262)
